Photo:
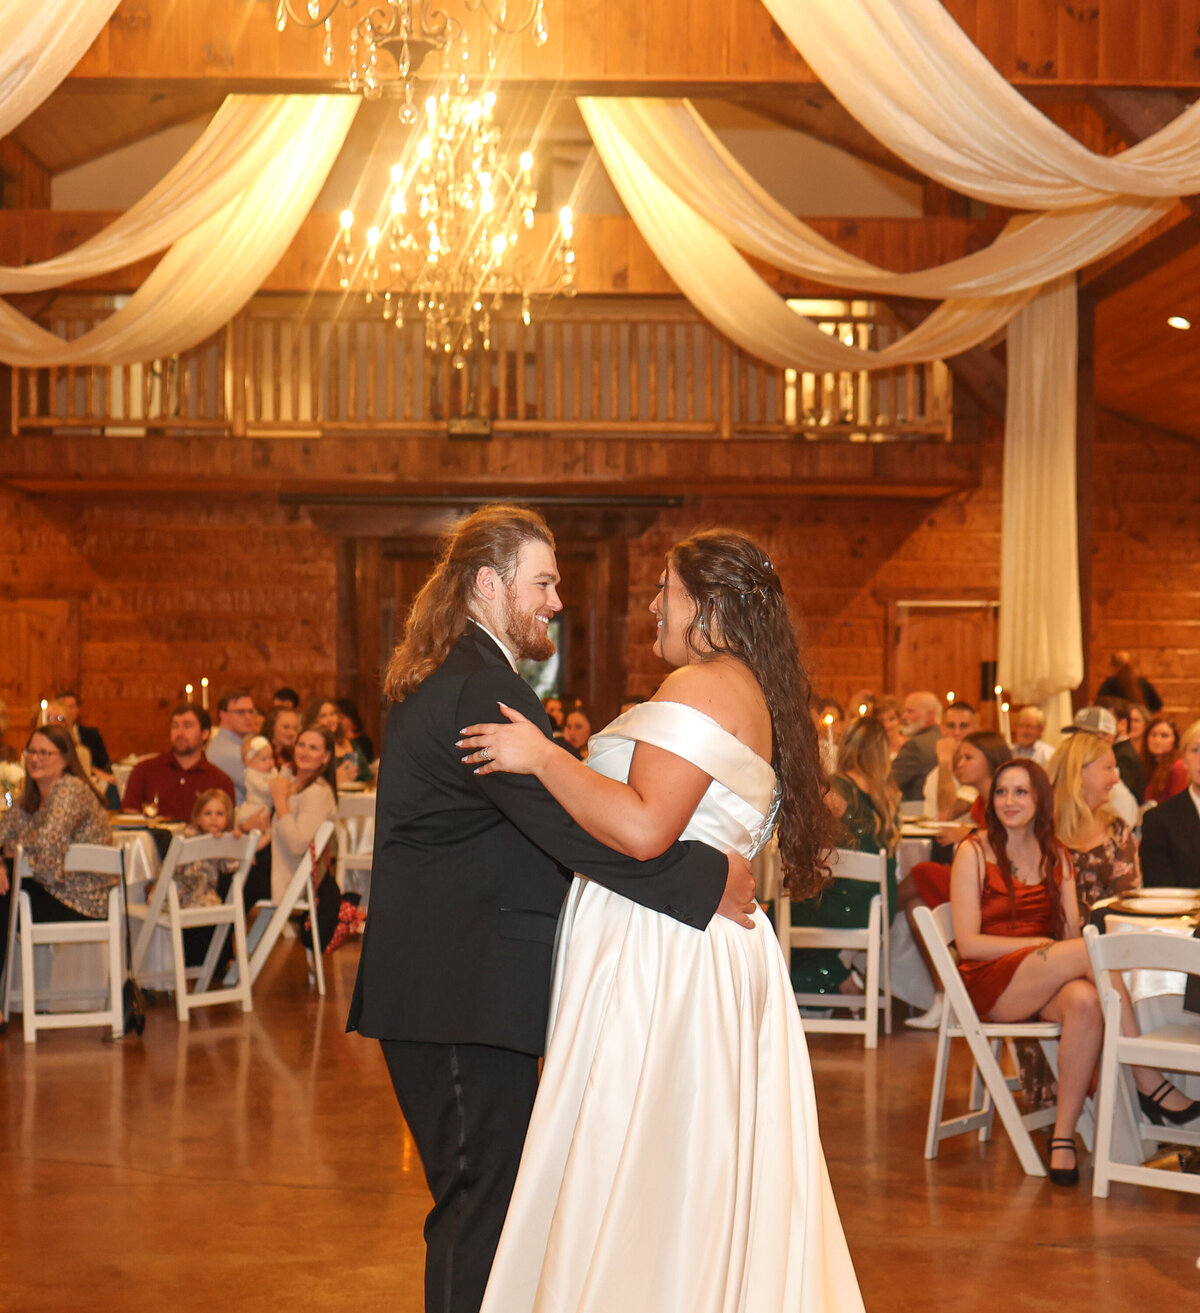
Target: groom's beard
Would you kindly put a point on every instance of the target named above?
(528, 638)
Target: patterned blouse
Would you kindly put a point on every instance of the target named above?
(1107, 869)
(70, 813)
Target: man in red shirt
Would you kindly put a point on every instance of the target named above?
(177, 778)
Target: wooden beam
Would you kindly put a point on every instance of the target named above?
(979, 371)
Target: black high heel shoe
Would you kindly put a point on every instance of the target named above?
(1152, 1107)
(1064, 1175)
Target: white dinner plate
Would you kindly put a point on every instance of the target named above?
(1158, 906)
(1164, 891)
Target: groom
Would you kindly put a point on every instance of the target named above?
(468, 878)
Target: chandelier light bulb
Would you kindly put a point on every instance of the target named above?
(396, 204)
(397, 173)
(1178, 321)
(526, 161)
(424, 148)
(372, 236)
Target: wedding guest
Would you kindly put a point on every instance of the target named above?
(197, 881)
(944, 794)
(235, 715)
(350, 722)
(282, 730)
(285, 699)
(1166, 775)
(1017, 932)
(1100, 721)
(1139, 718)
(1029, 724)
(1127, 682)
(866, 802)
(57, 807)
(1129, 758)
(1170, 851)
(178, 777)
(257, 720)
(88, 735)
(554, 709)
(258, 758)
(349, 763)
(301, 804)
(577, 729)
(918, 756)
(887, 712)
(1103, 851)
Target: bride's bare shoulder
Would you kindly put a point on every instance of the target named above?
(723, 690)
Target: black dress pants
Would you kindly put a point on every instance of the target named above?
(468, 1107)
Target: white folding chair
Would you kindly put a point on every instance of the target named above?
(224, 916)
(871, 868)
(299, 896)
(356, 839)
(1171, 1048)
(991, 1090)
(102, 860)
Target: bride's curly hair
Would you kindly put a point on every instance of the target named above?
(741, 612)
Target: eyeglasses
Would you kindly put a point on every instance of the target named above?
(42, 754)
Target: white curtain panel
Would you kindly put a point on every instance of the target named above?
(1041, 651)
(680, 149)
(719, 282)
(911, 76)
(41, 41)
(207, 276)
(245, 135)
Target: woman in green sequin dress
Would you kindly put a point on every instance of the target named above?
(867, 803)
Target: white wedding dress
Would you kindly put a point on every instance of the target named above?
(673, 1162)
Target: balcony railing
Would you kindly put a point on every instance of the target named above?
(597, 367)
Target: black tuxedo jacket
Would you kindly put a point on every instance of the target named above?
(1171, 843)
(470, 872)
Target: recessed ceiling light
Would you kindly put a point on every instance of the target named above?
(1178, 321)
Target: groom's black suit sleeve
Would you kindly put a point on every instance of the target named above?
(686, 882)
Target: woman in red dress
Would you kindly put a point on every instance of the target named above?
(1016, 927)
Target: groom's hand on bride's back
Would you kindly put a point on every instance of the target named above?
(738, 902)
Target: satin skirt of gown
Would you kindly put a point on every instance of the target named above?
(673, 1162)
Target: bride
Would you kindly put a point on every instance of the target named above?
(673, 1162)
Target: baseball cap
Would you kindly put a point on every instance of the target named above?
(1096, 720)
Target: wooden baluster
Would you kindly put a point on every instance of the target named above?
(672, 337)
(653, 344)
(393, 341)
(598, 333)
(353, 339)
(725, 356)
(500, 337)
(689, 375)
(559, 332)
(633, 347)
(578, 334)
(522, 340)
(373, 331)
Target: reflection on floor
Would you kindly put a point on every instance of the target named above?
(259, 1162)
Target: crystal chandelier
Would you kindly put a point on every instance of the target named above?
(454, 238)
(406, 31)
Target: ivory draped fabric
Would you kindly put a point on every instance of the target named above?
(244, 136)
(42, 41)
(911, 76)
(726, 290)
(1041, 650)
(683, 153)
(212, 271)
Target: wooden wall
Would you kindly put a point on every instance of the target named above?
(170, 589)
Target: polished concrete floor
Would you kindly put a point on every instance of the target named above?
(259, 1162)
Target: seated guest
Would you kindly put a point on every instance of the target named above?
(1166, 775)
(285, 699)
(920, 713)
(1021, 954)
(944, 795)
(1127, 682)
(866, 801)
(178, 777)
(1171, 831)
(577, 729)
(57, 807)
(350, 723)
(887, 712)
(301, 804)
(1103, 851)
(59, 713)
(235, 715)
(1100, 721)
(282, 730)
(554, 709)
(1139, 718)
(1029, 724)
(259, 760)
(1129, 758)
(87, 735)
(350, 764)
(197, 881)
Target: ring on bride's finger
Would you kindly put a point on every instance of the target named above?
(484, 754)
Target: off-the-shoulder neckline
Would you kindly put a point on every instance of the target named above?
(687, 706)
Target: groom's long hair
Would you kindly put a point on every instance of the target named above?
(493, 535)
(741, 611)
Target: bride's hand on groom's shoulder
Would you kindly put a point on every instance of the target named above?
(738, 902)
(519, 748)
